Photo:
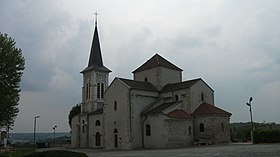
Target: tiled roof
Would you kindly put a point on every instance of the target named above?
(179, 114)
(139, 85)
(179, 85)
(206, 108)
(160, 108)
(156, 61)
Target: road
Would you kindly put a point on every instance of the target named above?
(229, 150)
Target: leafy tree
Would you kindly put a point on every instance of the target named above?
(73, 112)
(11, 68)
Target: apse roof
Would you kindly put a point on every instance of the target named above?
(205, 109)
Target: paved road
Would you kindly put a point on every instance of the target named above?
(229, 150)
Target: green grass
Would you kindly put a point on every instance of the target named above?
(28, 152)
(18, 152)
(56, 153)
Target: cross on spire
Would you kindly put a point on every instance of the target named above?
(96, 14)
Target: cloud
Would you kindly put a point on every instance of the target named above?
(232, 45)
(50, 41)
(44, 34)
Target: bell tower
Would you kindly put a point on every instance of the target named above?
(95, 77)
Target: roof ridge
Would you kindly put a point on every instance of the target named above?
(140, 85)
(156, 61)
(179, 85)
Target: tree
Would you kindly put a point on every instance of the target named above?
(73, 112)
(11, 69)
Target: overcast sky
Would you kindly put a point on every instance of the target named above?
(233, 45)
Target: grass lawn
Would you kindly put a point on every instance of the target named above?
(17, 152)
(28, 152)
(56, 153)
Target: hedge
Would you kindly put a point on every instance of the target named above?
(56, 153)
(266, 136)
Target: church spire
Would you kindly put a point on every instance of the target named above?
(95, 58)
(95, 52)
(96, 14)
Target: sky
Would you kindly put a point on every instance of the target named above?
(234, 46)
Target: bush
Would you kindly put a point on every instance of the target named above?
(267, 136)
(57, 153)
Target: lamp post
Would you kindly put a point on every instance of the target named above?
(35, 131)
(252, 124)
(8, 134)
(54, 135)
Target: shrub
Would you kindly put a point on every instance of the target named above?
(57, 153)
(267, 136)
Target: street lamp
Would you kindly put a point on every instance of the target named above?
(35, 131)
(54, 134)
(252, 124)
(8, 134)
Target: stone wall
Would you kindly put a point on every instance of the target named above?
(196, 95)
(216, 129)
(75, 132)
(95, 130)
(168, 132)
(116, 117)
(159, 76)
(180, 132)
(139, 101)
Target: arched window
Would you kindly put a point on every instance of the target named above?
(146, 79)
(97, 123)
(148, 130)
(88, 90)
(102, 90)
(202, 96)
(223, 128)
(98, 90)
(115, 131)
(83, 129)
(83, 126)
(201, 127)
(190, 130)
(115, 105)
(176, 98)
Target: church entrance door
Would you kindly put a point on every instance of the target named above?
(97, 139)
(116, 138)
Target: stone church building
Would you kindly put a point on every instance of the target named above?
(157, 109)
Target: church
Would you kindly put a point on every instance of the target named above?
(157, 109)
